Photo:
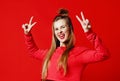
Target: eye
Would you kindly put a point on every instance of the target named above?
(56, 29)
(63, 26)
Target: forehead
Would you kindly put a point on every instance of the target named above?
(59, 23)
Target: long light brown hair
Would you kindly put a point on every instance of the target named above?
(63, 14)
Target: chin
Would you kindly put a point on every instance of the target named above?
(63, 41)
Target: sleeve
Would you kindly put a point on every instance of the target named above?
(33, 49)
(99, 53)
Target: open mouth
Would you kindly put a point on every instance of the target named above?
(61, 36)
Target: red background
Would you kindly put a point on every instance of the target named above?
(15, 62)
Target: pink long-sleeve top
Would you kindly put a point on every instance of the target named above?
(78, 58)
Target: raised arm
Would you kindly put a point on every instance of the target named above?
(99, 52)
(29, 41)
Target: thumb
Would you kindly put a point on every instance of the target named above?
(23, 26)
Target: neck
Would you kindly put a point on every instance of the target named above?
(62, 44)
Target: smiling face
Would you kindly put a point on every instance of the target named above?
(62, 31)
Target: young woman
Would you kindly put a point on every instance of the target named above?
(64, 61)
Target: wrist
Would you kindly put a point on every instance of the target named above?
(88, 32)
(27, 33)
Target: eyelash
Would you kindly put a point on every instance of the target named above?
(61, 27)
(56, 29)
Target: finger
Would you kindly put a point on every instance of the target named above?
(89, 26)
(87, 21)
(30, 22)
(83, 18)
(79, 19)
(33, 24)
(23, 26)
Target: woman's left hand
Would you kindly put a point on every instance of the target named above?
(84, 22)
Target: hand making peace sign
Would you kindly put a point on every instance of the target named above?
(84, 22)
(28, 26)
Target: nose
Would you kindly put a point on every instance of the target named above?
(60, 31)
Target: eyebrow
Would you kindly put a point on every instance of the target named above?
(60, 26)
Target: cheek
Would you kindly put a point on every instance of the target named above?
(67, 32)
(55, 34)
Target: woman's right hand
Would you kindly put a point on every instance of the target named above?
(28, 26)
